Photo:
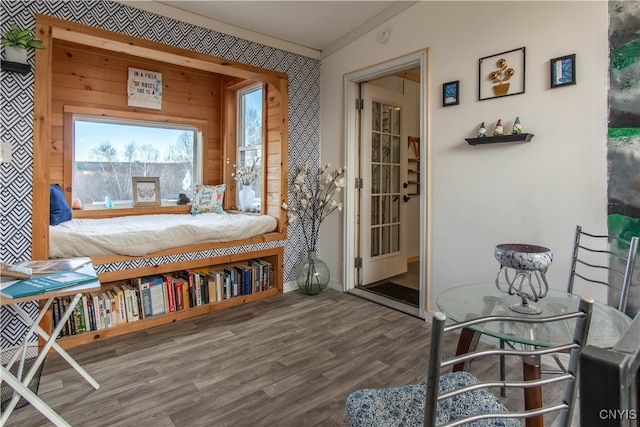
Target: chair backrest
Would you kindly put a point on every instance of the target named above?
(453, 393)
(590, 262)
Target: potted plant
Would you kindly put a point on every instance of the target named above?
(16, 42)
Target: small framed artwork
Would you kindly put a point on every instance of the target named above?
(146, 191)
(563, 71)
(501, 74)
(451, 93)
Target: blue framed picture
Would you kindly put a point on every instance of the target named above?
(451, 93)
(563, 71)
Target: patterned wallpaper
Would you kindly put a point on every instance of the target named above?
(16, 114)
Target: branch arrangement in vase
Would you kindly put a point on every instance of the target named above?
(313, 201)
(247, 174)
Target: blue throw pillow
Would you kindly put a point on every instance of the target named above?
(59, 210)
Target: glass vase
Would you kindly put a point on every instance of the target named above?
(246, 197)
(312, 274)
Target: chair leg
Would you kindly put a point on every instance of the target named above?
(503, 374)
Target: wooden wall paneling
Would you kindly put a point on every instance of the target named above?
(90, 70)
(98, 78)
(68, 156)
(41, 141)
(229, 136)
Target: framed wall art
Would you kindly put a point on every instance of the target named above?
(451, 93)
(563, 71)
(501, 74)
(146, 191)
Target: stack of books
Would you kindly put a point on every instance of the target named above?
(35, 277)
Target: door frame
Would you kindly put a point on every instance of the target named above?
(351, 83)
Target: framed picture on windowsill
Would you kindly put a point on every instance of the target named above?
(146, 191)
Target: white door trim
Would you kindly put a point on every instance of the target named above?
(351, 94)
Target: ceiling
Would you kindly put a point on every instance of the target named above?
(322, 26)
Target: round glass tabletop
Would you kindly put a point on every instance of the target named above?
(467, 302)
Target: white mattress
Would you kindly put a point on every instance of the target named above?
(144, 234)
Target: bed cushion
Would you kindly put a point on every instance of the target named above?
(207, 198)
(143, 234)
(59, 210)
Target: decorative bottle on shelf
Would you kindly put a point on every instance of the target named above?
(108, 204)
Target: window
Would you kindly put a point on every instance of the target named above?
(108, 152)
(250, 132)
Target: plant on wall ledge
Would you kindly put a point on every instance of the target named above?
(16, 42)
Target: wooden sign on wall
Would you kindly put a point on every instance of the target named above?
(144, 89)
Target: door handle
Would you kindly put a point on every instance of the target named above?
(406, 198)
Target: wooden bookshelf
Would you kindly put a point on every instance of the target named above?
(273, 256)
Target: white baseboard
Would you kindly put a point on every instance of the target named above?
(293, 286)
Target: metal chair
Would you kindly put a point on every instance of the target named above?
(456, 398)
(589, 260)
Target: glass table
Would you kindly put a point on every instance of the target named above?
(466, 302)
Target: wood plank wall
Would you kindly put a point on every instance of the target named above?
(85, 69)
(85, 76)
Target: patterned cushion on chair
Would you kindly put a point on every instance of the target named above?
(404, 406)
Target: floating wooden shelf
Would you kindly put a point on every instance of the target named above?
(521, 137)
(16, 67)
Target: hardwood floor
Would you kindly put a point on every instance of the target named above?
(287, 361)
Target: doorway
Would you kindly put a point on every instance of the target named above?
(386, 227)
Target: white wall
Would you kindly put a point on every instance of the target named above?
(532, 192)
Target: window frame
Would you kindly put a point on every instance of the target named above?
(240, 131)
(70, 112)
(233, 138)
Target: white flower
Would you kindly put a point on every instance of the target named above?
(247, 174)
(313, 199)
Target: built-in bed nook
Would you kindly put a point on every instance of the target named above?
(84, 72)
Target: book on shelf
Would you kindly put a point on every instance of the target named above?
(84, 303)
(156, 287)
(169, 297)
(143, 285)
(131, 303)
(27, 269)
(40, 284)
(183, 298)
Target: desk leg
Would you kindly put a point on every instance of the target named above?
(31, 397)
(533, 395)
(51, 338)
(51, 342)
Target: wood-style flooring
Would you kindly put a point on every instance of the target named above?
(287, 361)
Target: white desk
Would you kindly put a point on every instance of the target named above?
(21, 382)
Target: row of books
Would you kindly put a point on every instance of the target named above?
(149, 296)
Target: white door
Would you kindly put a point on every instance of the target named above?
(383, 227)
